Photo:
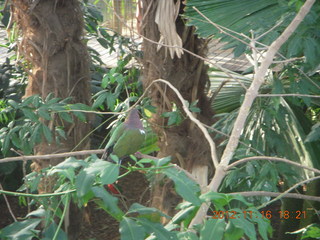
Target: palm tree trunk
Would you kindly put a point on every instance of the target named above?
(185, 143)
(59, 63)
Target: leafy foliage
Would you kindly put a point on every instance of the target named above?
(85, 180)
(25, 121)
(257, 17)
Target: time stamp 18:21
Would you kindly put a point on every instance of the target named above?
(263, 214)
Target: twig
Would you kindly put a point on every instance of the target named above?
(17, 194)
(288, 95)
(49, 156)
(206, 134)
(276, 194)
(276, 159)
(289, 190)
(228, 136)
(8, 204)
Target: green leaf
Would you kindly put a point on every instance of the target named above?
(232, 232)
(47, 132)
(109, 173)
(50, 231)
(219, 199)
(43, 112)
(104, 43)
(40, 212)
(247, 227)
(314, 135)
(24, 230)
(162, 161)
(183, 214)
(157, 229)
(213, 229)
(130, 230)
(108, 203)
(185, 187)
(99, 101)
(187, 236)
(84, 183)
(13, 104)
(66, 116)
(30, 114)
(142, 210)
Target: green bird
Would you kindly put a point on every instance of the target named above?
(127, 138)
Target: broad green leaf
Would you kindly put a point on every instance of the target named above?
(232, 232)
(40, 212)
(66, 116)
(314, 135)
(219, 199)
(99, 101)
(43, 112)
(51, 230)
(185, 187)
(84, 183)
(13, 104)
(109, 173)
(157, 229)
(213, 229)
(24, 230)
(184, 214)
(30, 114)
(147, 212)
(162, 161)
(108, 202)
(187, 236)
(246, 226)
(130, 230)
(47, 132)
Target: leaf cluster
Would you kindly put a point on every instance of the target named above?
(86, 180)
(26, 121)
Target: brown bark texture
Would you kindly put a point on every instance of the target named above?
(58, 63)
(185, 142)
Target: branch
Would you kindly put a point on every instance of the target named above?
(276, 194)
(277, 159)
(49, 156)
(289, 190)
(8, 205)
(205, 132)
(288, 95)
(247, 103)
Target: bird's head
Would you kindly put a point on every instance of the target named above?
(133, 119)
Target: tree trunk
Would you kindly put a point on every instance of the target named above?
(59, 63)
(185, 143)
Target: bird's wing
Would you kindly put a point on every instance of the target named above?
(116, 135)
(129, 143)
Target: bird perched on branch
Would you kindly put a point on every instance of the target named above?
(127, 138)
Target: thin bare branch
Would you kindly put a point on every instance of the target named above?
(276, 194)
(8, 205)
(49, 156)
(289, 95)
(205, 132)
(289, 190)
(276, 159)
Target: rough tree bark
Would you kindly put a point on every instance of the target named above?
(185, 143)
(59, 63)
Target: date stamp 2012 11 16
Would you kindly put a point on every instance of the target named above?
(262, 214)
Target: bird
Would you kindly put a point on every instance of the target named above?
(126, 139)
